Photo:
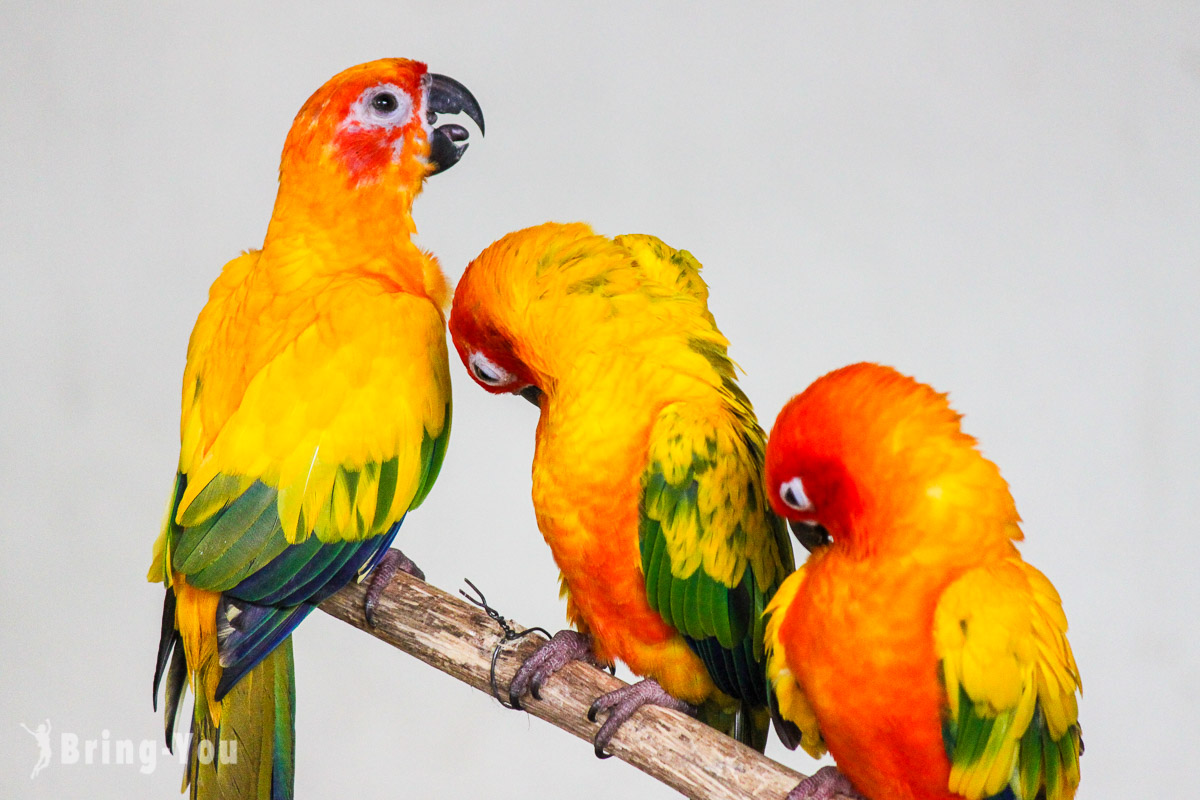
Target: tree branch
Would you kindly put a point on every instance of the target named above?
(459, 639)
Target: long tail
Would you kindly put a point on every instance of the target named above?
(251, 755)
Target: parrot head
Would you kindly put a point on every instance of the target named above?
(524, 305)
(374, 124)
(865, 448)
(485, 320)
(490, 355)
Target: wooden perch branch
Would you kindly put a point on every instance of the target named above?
(459, 639)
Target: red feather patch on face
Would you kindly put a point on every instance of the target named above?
(802, 445)
(365, 150)
(470, 335)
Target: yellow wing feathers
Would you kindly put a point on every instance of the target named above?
(786, 692)
(716, 517)
(362, 380)
(1011, 683)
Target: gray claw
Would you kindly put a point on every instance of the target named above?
(824, 784)
(393, 561)
(565, 647)
(621, 705)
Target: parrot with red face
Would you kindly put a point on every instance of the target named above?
(316, 413)
(647, 478)
(915, 644)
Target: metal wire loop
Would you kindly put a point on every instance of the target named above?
(510, 634)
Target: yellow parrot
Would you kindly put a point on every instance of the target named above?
(647, 480)
(316, 412)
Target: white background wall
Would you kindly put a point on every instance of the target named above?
(1004, 202)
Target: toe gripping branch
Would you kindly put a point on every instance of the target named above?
(510, 634)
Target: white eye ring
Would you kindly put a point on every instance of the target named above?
(488, 371)
(384, 105)
(792, 494)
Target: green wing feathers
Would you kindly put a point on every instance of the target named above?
(433, 453)
(711, 550)
(233, 526)
(711, 547)
(1012, 718)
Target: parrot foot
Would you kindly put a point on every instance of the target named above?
(565, 647)
(825, 784)
(623, 702)
(393, 561)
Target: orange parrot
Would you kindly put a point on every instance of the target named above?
(915, 643)
(647, 480)
(316, 412)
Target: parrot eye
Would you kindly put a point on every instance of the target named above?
(382, 106)
(487, 371)
(385, 102)
(792, 494)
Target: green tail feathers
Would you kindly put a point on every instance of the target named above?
(749, 724)
(252, 754)
(753, 726)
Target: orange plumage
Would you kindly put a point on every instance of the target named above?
(918, 645)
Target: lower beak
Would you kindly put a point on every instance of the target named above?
(448, 96)
(810, 534)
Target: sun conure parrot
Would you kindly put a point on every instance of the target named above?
(647, 478)
(316, 411)
(915, 643)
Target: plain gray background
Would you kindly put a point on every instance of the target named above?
(1003, 201)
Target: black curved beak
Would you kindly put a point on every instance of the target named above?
(810, 534)
(533, 394)
(448, 96)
